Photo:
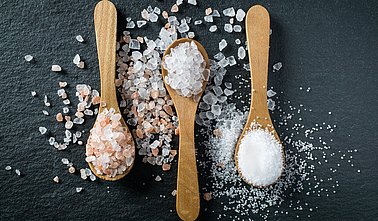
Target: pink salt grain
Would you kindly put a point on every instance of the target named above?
(110, 147)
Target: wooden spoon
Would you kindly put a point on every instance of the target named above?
(187, 198)
(105, 20)
(257, 30)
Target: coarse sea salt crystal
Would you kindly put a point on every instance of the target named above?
(141, 23)
(237, 28)
(130, 25)
(230, 12)
(213, 28)
(56, 68)
(18, 172)
(208, 18)
(79, 38)
(33, 93)
(237, 41)
(197, 22)
(271, 104)
(241, 52)
(222, 44)
(28, 58)
(8, 167)
(76, 59)
(228, 28)
(79, 189)
(240, 14)
(270, 93)
(260, 158)
(192, 2)
(277, 66)
(42, 130)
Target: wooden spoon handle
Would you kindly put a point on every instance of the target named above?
(257, 24)
(105, 20)
(187, 198)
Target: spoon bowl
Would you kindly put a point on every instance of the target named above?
(257, 30)
(187, 197)
(105, 19)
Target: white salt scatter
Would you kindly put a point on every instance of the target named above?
(230, 12)
(141, 23)
(144, 13)
(42, 130)
(192, 2)
(33, 93)
(79, 189)
(18, 172)
(66, 110)
(237, 41)
(45, 112)
(231, 60)
(228, 92)
(208, 11)
(157, 10)
(130, 25)
(92, 177)
(62, 84)
(68, 124)
(65, 161)
(216, 13)
(198, 22)
(213, 28)
(76, 59)
(186, 69)
(153, 17)
(330, 113)
(208, 18)
(271, 104)
(56, 179)
(179, 2)
(210, 98)
(228, 28)
(216, 109)
(260, 158)
(241, 52)
(237, 28)
(79, 38)
(66, 101)
(174, 192)
(158, 178)
(134, 44)
(222, 44)
(240, 14)
(155, 144)
(277, 66)
(78, 121)
(191, 34)
(231, 21)
(56, 68)
(270, 93)
(28, 58)
(8, 167)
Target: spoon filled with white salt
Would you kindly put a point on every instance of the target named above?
(110, 149)
(185, 72)
(259, 154)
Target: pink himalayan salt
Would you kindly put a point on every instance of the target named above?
(110, 147)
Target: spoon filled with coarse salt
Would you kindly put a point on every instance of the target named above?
(185, 72)
(259, 153)
(110, 149)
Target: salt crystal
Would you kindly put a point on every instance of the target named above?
(230, 12)
(76, 59)
(28, 58)
(42, 130)
(222, 44)
(237, 28)
(18, 172)
(79, 189)
(158, 178)
(66, 101)
(271, 104)
(270, 93)
(240, 14)
(183, 28)
(208, 11)
(198, 22)
(62, 84)
(45, 112)
(134, 44)
(208, 18)
(260, 158)
(66, 110)
(241, 52)
(174, 192)
(130, 25)
(8, 168)
(153, 17)
(141, 23)
(56, 68)
(231, 60)
(179, 2)
(92, 177)
(78, 121)
(213, 28)
(207, 196)
(79, 38)
(192, 2)
(231, 21)
(165, 14)
(144, 13)
(228, 92)
(33, 93)
(209, 98)
(228, 28)
(56, 179)
(277, 66)
(216, 13)
(68, 125)
(191, 34)
(71, 169)
(237, 41)
(216, 110)
(174, 8)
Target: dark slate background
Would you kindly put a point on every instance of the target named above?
(330, 46)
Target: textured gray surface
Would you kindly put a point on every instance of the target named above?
(329, 46)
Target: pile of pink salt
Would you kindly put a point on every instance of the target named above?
(110, 146)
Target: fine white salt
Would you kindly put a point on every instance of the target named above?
(260, 158)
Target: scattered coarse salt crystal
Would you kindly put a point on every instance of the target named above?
(192, 2)
(28, 58)
(271, 104)
(213, 28)
(237, 28)
(33, 93)
(186, 76)
(62, 84)
(198, 22)
(42, 130)
(45, 112)
(130, 25)
(71, 169)
(79, 189)
(228, 28)
(174, 192)
(216, 14)
(68, 124)
(208, 11)
(45, 100)
(208, 18)
(153, 17)
(191, 34)
(8, 167)
(179, 2)
(237, 41)
(174, 8)
(79, 38)
(240, 14)
(277, 66)
(56, 179)
(165, 14)
(330, 113)
(18, 172)
(241, 52)
(230, 12)
(141, 23)
(76, 59)
(260, 158)
(222, 44)
(158, 178)
(271, 93)
(207, 196)
(56, 68)
(81, 65)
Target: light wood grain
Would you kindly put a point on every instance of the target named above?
(105, 20)
(257, 30)
(187, 197)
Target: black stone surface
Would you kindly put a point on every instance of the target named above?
(330, 46)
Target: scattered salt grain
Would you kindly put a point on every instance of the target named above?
(130, 25)
(45, 112)
(237, 28)
(208, 18)
(79, 38)
(174, 8)
(222, 44)
(158, 178)
(228, 28)
(216, 13)
(213, 28)
(237, 41)
(277, 66)
(240, 14)
(18, 172)
(271, 104)
(174, 192)
(71, 169)
(208, 11)
(79, 189)
(42, 130)
(241, 53)
(207, 196)
(230, 12)
(192, 2)
(8, 168)
(56, 179)
(45, 100)
(141, 23)
(56, 68)
(28, 58)
(62, 84)
(76, 59)
(33, 93)
(198, 22)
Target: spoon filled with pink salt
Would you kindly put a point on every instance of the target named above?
(110, 149)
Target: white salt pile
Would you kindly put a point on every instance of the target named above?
(109, 147)
(186, 69)
(260, 159)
